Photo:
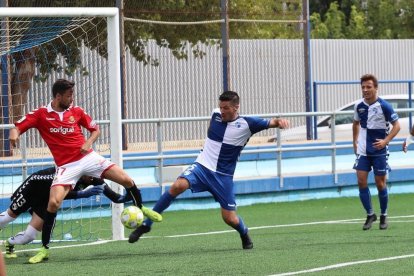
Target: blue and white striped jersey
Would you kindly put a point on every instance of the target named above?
(374, 122)
(225, 141)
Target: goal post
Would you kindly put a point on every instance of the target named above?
(113, 81)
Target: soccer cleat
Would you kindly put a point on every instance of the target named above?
(41, 256)
(151, 214)
(383, 222)
(10, 254)
(369, 221)
(137, 233)
(246, 241)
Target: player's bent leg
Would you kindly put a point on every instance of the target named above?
(232, 219)
(24, 237)
(179, 186)
(118, 175)
(42, 255)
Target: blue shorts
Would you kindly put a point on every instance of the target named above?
(378, 163)
(219, 185)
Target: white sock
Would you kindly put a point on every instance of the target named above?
(5, 219)
(24, 237)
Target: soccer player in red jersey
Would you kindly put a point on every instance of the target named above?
(60, 125)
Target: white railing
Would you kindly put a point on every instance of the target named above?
(279, 149)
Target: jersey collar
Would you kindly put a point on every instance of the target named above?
(50, 109)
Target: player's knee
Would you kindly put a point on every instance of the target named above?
(230, 220)
(54, 204)
(381, 186)
(179, 186)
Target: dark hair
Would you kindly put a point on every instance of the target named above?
(61, 85)
(230, 96)
(368, 77)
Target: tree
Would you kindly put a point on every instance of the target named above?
(318, 29)
(382, 17)
(357, 28)
(335, 21)
(322, 6)
(406, 19)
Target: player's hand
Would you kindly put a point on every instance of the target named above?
(407, 142)
(85, 148)
(282, 123)
(88, 192)
(379, 144)
(14, 137)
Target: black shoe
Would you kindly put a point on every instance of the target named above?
(246, 241)
(383, 222)
(369, 221)
(137, 233)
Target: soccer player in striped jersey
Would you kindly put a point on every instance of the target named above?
(33, 196)
(214, 167)
(371, 135)
(60, 124)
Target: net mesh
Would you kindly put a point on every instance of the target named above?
(35, 52)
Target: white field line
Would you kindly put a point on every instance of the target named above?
(222, 232)
(285, 225)
(66, 246)
(334, 266)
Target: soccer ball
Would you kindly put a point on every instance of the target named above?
(132, 217)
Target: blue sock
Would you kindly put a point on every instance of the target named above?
(383, 200)
(163, 203)
(365, 197)
(241, 228)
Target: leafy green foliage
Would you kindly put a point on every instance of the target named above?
(357, 28)
(181, 40)
(335, 22)
(378, 19)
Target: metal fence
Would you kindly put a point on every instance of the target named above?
(268, 74)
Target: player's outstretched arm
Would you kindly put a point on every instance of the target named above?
(279, 123)
(88, 192)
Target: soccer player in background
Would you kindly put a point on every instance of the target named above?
(33, 196)
(60, 125)
(371, 135)
(214, 167)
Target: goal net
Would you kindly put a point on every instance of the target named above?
(38, 46)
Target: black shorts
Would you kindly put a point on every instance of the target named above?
(33, 194)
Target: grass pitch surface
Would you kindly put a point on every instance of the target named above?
(318, 237)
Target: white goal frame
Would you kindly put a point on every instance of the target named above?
(114, 73)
